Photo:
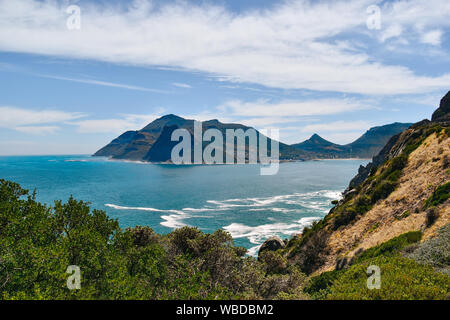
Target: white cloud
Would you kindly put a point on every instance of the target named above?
(343, 137)
(39, 130)
(116, 126)
(432, 37)
(34, 121)
(264, 122)
(289, 47)
(182, 85)
(263, 108)
(391, 32)
(337, 126)
(104, 83)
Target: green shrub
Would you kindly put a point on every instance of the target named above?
(439, 196)
(274, 262)
(401, 279)
(37, 243)
(383, 190)
(319, 286)
(344, 218)
(390, 247)
(434, 252)
(431, 217)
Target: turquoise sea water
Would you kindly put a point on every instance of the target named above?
(236, 198)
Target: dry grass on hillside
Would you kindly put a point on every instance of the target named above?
(403, 210)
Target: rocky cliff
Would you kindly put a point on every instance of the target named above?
(405, 188)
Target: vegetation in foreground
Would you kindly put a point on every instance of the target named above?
(38, 243)
(414, 277)
(311, 249)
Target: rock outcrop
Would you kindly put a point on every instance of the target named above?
(443, 112)
(272, 244)
(387, 198)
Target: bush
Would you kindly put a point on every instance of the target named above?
(431, 217)
(344, 218)
(383, 190)
(401, 279)
(319, 286)
(311, 254)
(143, 236)
(349, 212)
(391, 247)
(37, 243)
(434, 252)
(273, 262)
(439, 196)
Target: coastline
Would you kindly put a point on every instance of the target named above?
(218, 164)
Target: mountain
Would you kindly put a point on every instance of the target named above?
(153, 142)
(321, 147)
(401, 197)
(443, 112)
(366, 146)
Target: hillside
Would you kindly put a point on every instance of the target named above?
(153, 142)
(394, 216)
(366, 146)
(320, 147)
(405, 189)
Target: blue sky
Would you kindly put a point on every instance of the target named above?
(301, 66)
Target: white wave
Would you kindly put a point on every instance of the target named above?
(310, 200)
(253, 251)
(142, 209)
(303, 199)
(128, 161)
(78, 160)
(201, 209)
(283, 210)
(258, 234)
(173, 220)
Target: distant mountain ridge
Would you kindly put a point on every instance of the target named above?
(366, 146)
(153, 142)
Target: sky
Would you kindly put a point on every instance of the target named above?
(76, 74)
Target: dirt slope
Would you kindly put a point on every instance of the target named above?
(403, 210)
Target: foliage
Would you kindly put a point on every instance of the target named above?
(390, 247)
(434, 252)
(401, 278)
(312, 253)
(431, 216)
(319, 286)
(439, 196)
(38, 243)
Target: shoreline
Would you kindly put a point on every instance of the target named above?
(221, 164)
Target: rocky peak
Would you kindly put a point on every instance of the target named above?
(443, 112)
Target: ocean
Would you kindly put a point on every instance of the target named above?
(235, 198)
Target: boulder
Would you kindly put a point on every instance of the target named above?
(272, 244)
